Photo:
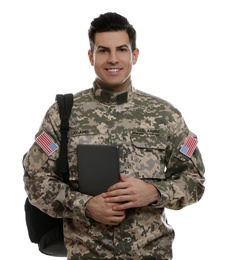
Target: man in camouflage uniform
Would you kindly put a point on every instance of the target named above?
(160, 163)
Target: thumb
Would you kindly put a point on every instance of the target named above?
(122, 178)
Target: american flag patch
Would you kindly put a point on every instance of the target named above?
(46, 143)
(189, 146)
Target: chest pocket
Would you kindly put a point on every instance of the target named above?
(148, 153)
(148, 141)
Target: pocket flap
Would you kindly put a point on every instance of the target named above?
(149, 139)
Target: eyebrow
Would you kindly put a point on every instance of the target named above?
(118, 47)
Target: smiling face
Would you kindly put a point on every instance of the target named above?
(113, 59)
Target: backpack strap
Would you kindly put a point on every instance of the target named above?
(65, 103)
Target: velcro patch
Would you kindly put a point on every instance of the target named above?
(189, 146)
(46, 143)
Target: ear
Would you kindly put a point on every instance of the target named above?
(91, 60)
(135, 56)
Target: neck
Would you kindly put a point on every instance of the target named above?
(115, 88)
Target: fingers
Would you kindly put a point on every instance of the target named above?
(111, 217)
(100, 211)
(118, 198)
(115, 220)
(120, 185)
(120, 192)
(123, 178)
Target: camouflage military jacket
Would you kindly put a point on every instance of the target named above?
(150, 133)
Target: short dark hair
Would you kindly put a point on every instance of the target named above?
(110, 22)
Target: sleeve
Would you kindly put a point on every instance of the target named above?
(184, 175)
(44, 188)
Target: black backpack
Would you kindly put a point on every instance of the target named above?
(44, 230)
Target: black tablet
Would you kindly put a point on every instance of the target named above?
(98, 168)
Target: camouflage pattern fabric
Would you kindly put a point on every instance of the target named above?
(149, 133)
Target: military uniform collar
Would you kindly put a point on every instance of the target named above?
(111, 97)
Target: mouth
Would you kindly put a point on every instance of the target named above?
(113, 70)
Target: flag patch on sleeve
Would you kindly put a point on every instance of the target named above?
(46, 143)
(189, 146)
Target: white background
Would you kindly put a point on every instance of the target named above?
(43, 51)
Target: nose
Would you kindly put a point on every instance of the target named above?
(113, 57)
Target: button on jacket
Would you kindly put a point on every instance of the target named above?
(149, 133)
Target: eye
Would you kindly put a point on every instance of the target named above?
(102, 50)
(123, 49)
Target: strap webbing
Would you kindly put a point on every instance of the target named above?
(65, 103)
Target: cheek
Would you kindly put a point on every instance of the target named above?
(98, 61)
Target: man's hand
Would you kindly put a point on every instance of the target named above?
(101, 211)
(130, 193)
